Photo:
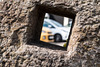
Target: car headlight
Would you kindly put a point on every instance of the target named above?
(43, 31)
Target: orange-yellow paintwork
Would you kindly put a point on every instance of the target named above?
(45, 35)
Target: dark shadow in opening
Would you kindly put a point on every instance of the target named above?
(70, 33)
(48, 45)
(64, 13)
(38, 25)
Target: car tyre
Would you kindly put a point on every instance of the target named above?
(57, 38)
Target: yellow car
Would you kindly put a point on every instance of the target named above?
(46, 35)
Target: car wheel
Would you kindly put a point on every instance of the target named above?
(57, 38)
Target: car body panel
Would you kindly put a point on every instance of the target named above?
(46, 35)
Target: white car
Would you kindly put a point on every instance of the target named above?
(60, 32)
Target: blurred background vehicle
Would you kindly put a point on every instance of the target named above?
(58, 30)
(46, 35)
(59, 27)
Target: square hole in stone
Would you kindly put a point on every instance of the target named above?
(36, 33)
(56, 30)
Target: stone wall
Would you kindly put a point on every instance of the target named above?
(18, 25)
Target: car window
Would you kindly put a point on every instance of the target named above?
(46, 24)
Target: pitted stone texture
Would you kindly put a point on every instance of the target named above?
(16, 23)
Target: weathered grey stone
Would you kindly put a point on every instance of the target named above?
(19, 20)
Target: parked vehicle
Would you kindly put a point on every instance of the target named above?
(46, 35)
(60, 32)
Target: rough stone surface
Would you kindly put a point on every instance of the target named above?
(18, 20)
